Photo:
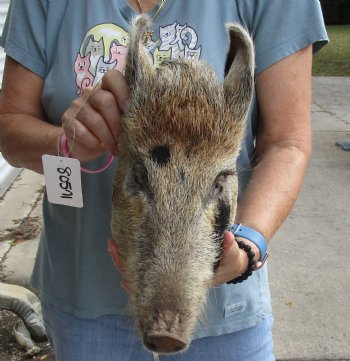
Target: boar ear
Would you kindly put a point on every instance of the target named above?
(239, 71)
(138, 63)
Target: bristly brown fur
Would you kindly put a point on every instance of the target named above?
(175, 187)
(185, 102)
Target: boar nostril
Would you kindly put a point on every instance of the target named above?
(164, 343)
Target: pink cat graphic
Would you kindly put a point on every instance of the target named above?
(83, 77)
(118, 53)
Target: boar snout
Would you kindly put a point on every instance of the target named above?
(164, 335)
(163, 342)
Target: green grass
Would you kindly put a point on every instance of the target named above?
(334, 58)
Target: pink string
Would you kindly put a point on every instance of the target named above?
(65, 152)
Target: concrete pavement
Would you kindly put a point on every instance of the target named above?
(20, 223)
(308, 265)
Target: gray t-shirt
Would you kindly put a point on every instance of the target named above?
(71, 43)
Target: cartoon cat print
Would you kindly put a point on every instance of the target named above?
(83, 77)
(161, 55)
(193, 54)
(176, 37)
(168, 36)
(102, 68)
(96, 50)
(118, 53)
(189, 37)
(175, 41)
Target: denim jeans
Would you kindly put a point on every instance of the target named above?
(113, 338)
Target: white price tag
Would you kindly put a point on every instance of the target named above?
(63, 180)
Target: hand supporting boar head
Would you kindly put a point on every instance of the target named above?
(175, 188)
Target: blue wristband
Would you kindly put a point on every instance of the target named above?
(253, 236)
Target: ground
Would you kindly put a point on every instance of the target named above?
(9, 350)
(24, 229)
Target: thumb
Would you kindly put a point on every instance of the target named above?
(228, 241)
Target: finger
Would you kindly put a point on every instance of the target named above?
(77, 132)
(126, 287)
(86, 92)
(94, 121)
(82, 144)
(258, 265)
(69, 115)
(114, 253)
(104, 103)
(115, 82)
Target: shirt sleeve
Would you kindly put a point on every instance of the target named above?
(281, 28)
(24, 34)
